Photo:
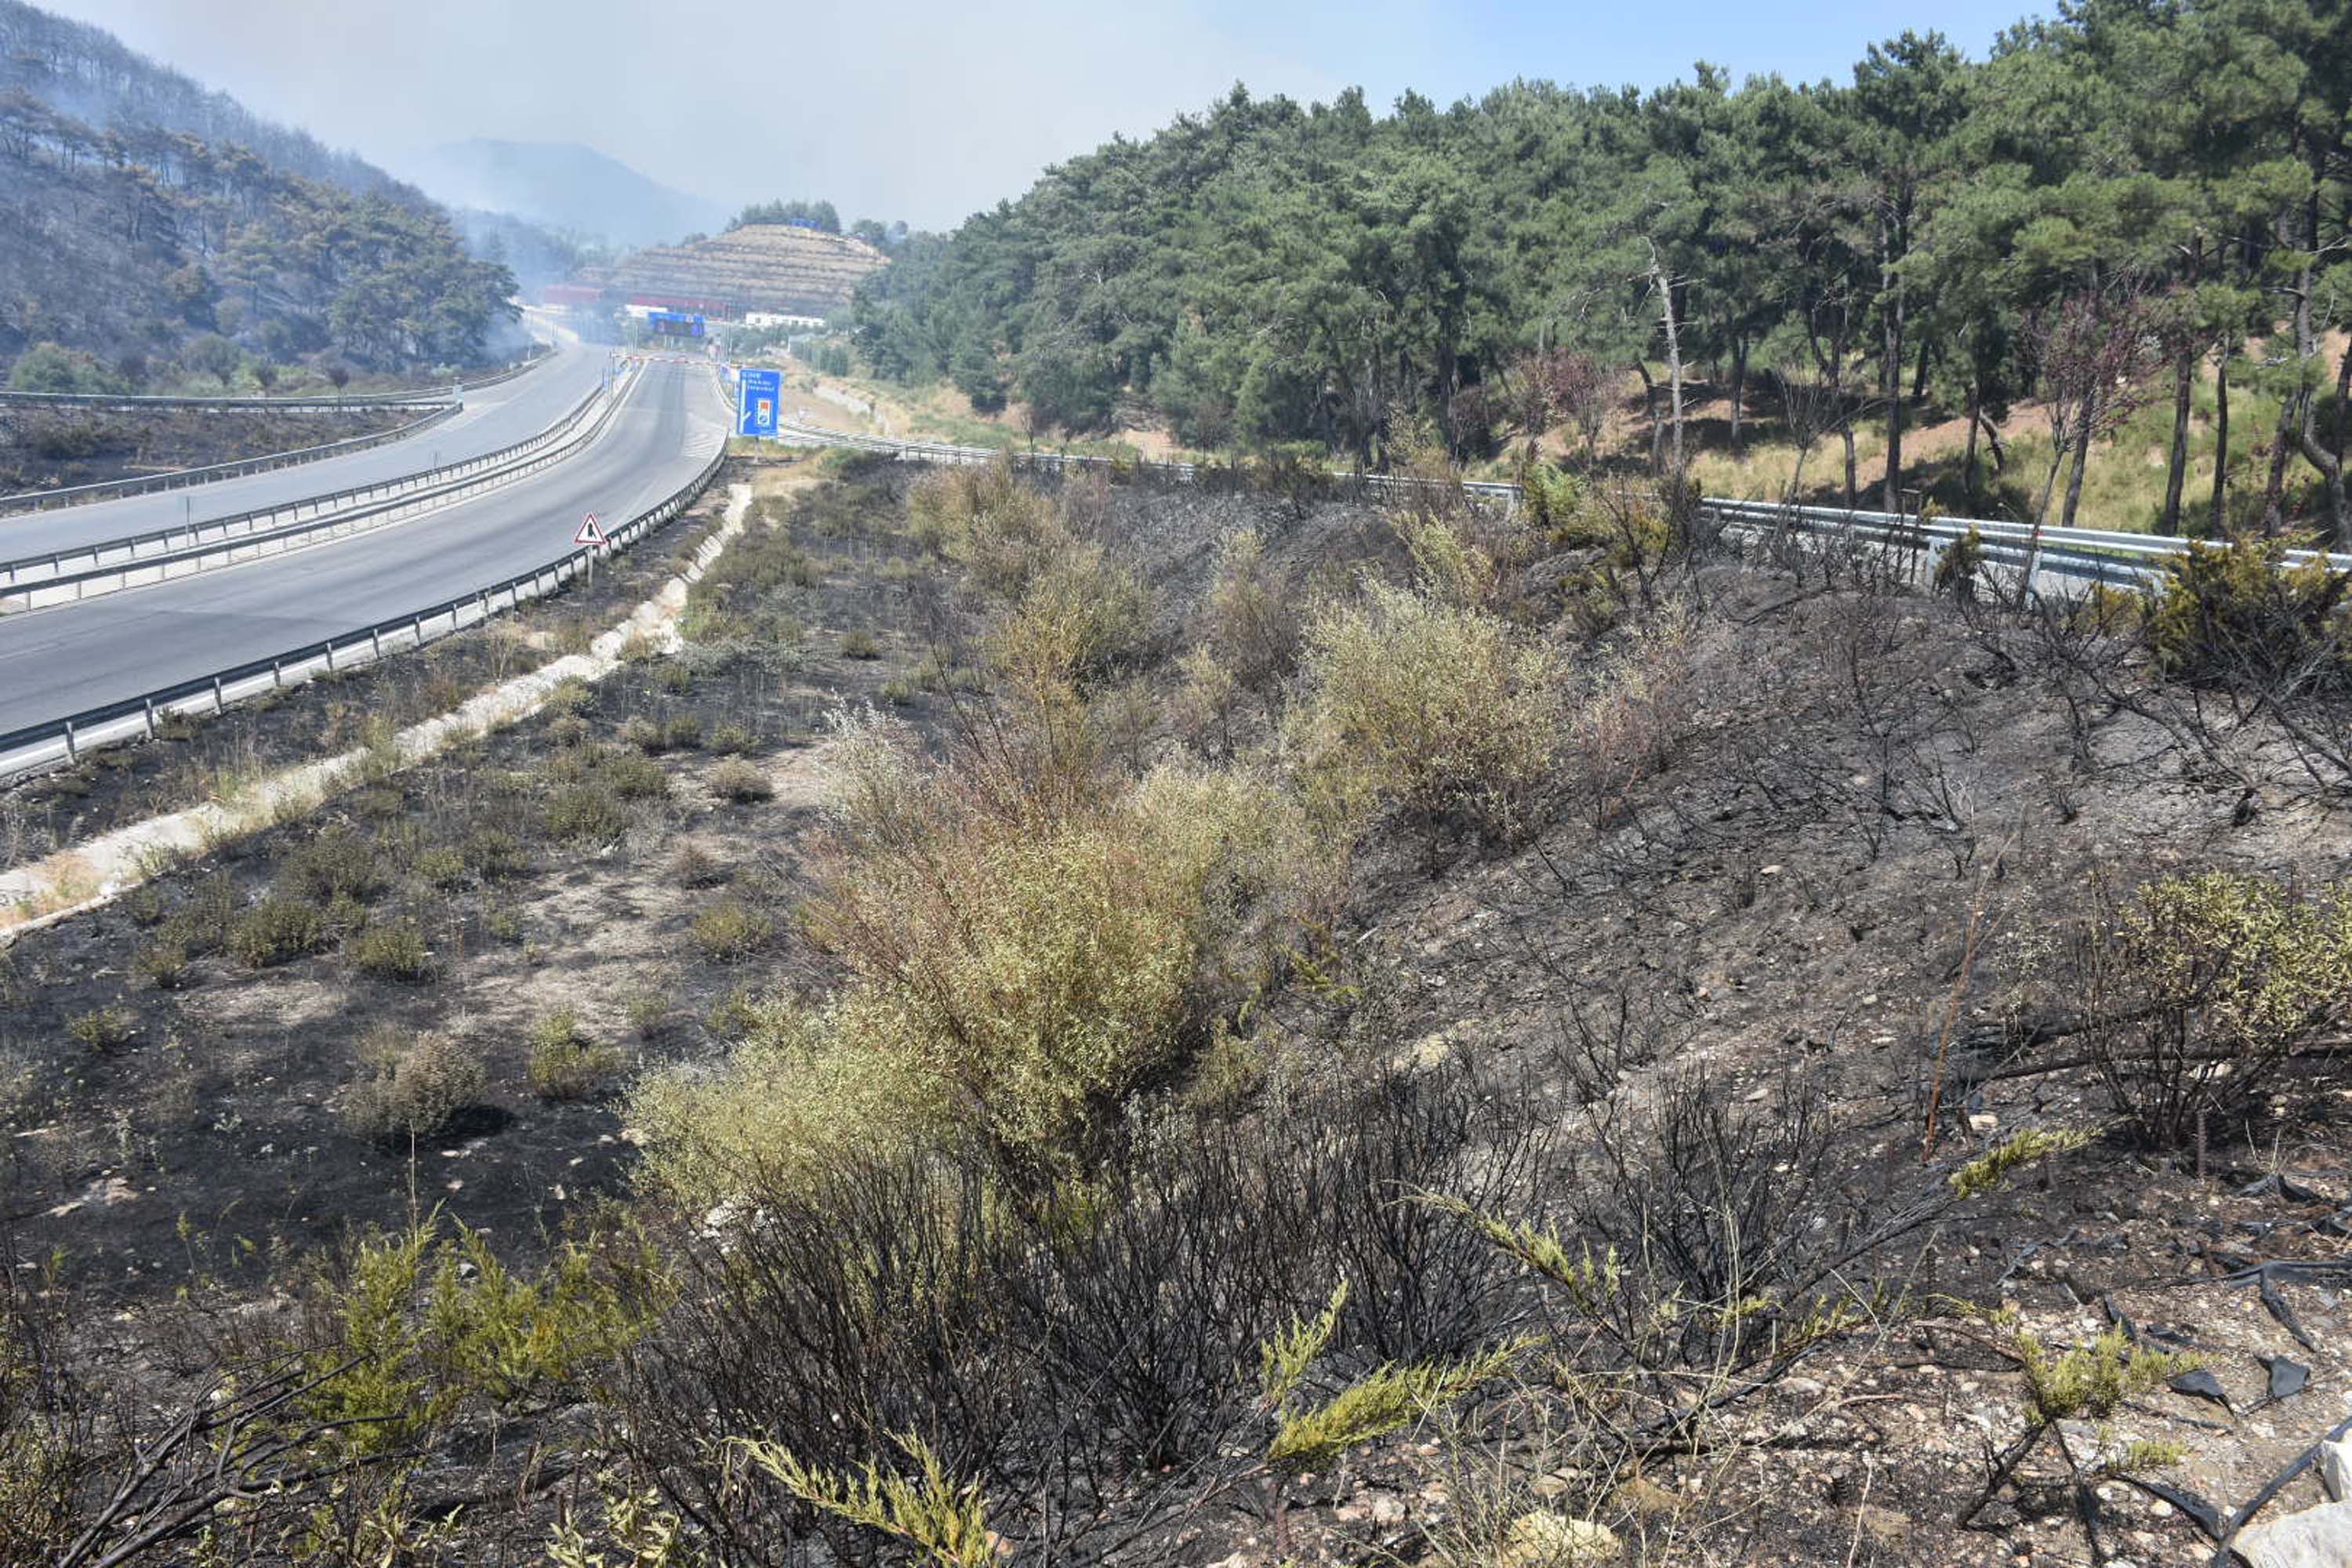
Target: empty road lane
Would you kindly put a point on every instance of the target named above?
(72, 658)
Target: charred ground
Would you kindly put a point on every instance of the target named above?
(1816, 902)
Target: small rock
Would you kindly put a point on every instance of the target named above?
(2335, 1469)
(1388, 1510)
(1884, 1525)
(1645, 1497)
(1545, 1540)
(2315, 1538)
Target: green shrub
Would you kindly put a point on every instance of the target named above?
(1019, 976)
(571, 694)
(415, 1084)
(413, 1329)
(1436, 709)
(730, 932)
(102, 1028)
(2238, 613)
(2205, 989)
(734, 1016)
(493, 854)
(632, 777)
(860, 644)
(443, 867)
(741, 782)
(586, 812)
(564, 1063)
(649, 1011)
(163, 958)
(683, 733)
(393, 952)
(337, 862)
(730, 737)
(276, 930)
(642, 733)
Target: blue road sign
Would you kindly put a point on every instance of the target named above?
(758, 395)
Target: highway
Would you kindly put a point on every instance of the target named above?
(71, 658)
(493, 417)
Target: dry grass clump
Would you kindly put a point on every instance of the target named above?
(694, 866)
(741, 782)
(415, 1084)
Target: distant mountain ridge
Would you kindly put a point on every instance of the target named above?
(566, 186)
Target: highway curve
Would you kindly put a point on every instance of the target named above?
(72, 658)
(493, 417)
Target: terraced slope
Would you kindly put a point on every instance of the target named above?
(760, 267)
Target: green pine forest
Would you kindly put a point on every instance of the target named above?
(2134, 217)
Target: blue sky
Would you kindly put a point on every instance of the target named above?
(926, 109)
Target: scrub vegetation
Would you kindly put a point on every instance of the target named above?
(1313, 1029)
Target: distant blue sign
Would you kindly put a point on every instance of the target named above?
(757, 398)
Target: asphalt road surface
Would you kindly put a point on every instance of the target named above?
(493, 417)
(75, 656)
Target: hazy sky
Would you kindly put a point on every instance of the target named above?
(926, 109)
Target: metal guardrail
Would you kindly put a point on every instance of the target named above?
(336, 514)
(2081, 557)
(295, 404)
(37, 746)
(24, 501)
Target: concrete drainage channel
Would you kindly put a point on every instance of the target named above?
(74, 881)
(65, 576)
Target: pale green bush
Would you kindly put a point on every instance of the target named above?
(1417, 704)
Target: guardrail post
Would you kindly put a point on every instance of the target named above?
(416, 632)
(73, 752)
(330, 656)
(151, 718)
(375, 642)
(277, 676)
(220, 698)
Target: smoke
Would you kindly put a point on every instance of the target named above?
(923, 109)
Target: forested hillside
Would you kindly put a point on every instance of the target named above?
(2133, 203)
(150, 226)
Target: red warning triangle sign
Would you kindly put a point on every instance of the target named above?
(591, 532)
